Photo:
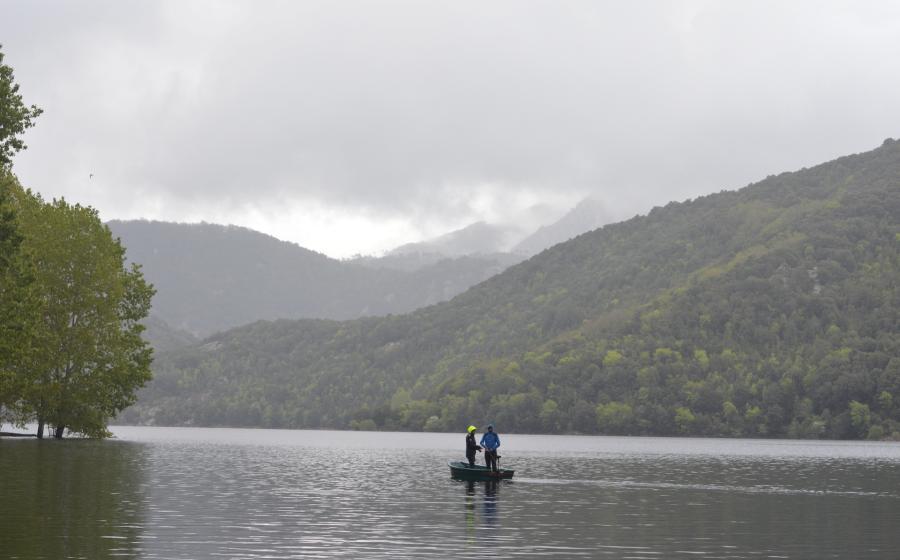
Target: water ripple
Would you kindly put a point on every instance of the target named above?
(259, 494)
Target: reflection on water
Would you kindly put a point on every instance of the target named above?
(480, 504)
(70, 499)
(194, 493)
(490, 502)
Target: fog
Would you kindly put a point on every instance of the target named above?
(354, 127)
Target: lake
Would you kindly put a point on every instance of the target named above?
(187, 493)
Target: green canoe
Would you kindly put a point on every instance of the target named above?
(462, 470)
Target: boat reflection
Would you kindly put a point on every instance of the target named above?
(481, 501)
(491, 496)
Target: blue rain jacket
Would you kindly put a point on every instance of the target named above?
(490, 441)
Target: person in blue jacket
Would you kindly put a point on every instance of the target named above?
(490, 441)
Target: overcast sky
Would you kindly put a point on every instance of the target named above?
(353, 127)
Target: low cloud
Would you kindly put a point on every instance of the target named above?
(325, 123)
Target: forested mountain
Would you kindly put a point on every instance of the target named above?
(163, 337)
(210, 277)
(770, 311)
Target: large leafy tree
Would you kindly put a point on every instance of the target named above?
(90, 356)
(16, 302)
(16, 310)
(15, 116)
(71, 352)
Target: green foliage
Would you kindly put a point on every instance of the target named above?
(16, 300)
(612, 358)
(15, 116)
(615, 418)
(762, 312)
(860, 418)
(71, 351)
(684, 419)
(17, 303)
(89, 357)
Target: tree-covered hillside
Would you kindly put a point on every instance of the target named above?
(210, 278)
(769, 311)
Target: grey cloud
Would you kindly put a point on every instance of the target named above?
(403, 109)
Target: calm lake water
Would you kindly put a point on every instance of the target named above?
(224, 493)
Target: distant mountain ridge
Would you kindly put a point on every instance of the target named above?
(474, 239)
(769, 311)
(211, 277)
(482, 238)
(588, 215)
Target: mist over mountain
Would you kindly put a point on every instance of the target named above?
(482, 238)
(589, 214)
(773, 310)
(412, 262)
(475, 239)
(210, 277)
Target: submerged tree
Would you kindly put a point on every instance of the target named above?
(90, 356)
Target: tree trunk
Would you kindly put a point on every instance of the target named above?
(40, 433)
(59, 432)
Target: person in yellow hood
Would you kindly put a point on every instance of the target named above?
(471, 446)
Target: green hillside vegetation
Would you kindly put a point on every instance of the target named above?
(769, 311)
(161, 336)
(211, 277)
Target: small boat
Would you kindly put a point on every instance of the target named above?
(462, 470)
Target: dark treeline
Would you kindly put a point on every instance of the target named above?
(770, 311)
